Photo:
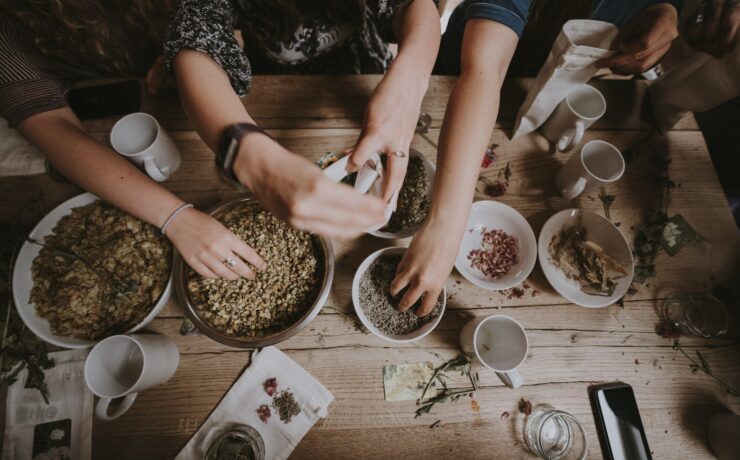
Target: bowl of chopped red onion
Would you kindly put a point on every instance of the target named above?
(498, 250)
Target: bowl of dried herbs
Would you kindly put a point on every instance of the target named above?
(280, 301)
(378, 310)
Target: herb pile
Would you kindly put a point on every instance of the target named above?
(413, 199)
(460, 365)
(380, 307)
(498, 253)
(284, 402)
(280, 293)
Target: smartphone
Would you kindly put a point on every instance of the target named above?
(105, 100)
(618, 422)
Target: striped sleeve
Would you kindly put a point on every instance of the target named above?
(24, 89)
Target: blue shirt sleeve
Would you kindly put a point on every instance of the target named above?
(511, 13)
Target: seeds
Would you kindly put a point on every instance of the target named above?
(498, 253)
(280, 293)
(380, 307)
(413, 199)
(286, 406)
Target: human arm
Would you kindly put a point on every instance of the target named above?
(487, 49)
(393, 110)
(713, 27)
(202, 241)
(643, 41)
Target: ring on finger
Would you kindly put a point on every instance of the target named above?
(230, 262)
(400, 153)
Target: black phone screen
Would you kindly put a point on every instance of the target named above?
(106, 100)
(620, 423)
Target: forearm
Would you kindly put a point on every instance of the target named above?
(417, 28)
(96, 168)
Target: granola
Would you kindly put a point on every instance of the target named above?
(99, 273)
(280, 294)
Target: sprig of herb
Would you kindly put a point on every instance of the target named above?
(607, 201)
(459, 364)
(701, 364)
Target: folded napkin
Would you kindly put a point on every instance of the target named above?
(240, 405)
(17, 156)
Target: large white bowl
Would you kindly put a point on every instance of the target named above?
(602, 232)
(425, 329)
(430, 170)
(495, 215)
(23, 280)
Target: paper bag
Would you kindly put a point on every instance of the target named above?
(579, 45)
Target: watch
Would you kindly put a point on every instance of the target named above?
(228, 147)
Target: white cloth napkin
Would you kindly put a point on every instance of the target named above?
(17, 156)
(240, 405)
(579, 45)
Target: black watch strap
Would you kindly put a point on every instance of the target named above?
(228, 147)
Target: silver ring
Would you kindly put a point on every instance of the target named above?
(230, 262)
(699, 19)
(400, 153)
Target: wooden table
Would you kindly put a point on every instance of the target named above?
(571, 347)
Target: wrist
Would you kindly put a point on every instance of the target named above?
(252, 157)
(413, 71)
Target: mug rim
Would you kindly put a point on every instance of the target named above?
(138, 379)
(142, 152)
(592, 90)
(586, 168)
(526, 342)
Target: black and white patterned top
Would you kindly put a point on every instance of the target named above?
(318, 46)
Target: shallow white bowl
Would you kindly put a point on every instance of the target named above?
(430, 170)
(425, 329)
(602, 232)
(23, 280)
(493, 215)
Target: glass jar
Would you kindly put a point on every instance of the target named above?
(237, 442)
(554, 434)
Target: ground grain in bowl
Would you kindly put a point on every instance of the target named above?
(380, 307)
(280, 294)
(413, 199)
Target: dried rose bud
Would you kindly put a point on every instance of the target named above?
(270, 386)
(264, 413)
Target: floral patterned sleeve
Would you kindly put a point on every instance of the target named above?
(382, 11)
(208, 26)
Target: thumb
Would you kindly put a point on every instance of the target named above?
(362, 151)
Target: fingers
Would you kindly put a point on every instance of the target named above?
(729, 30)
(712, 23)
(400, 282)
(428, 302)
(396, 173)
(219, 268)
(416, 290)
(362, 151)
(240, 267)
(247, 253)
(203, 270)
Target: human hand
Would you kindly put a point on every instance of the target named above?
(425, 267)
(643, 41)
(389, 125)
(296, 191)
(157, 78)
(205, 244)
(714, 26)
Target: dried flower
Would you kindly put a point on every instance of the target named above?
(498, 253)
(525, 407)
(264, 413)
(270, 386)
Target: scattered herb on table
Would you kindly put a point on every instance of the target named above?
(506, 172)
(359, 327)
(607, 201)
(459, 364)
(489, 156)
(498, 253)
(286, 406)
(270, 385)
(525, 406)
(435, 424)
(505, 415)
(493, 189)
(413, 199)
(380, 307)
(701, 364)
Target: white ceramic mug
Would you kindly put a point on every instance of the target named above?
(573, 116)
(139, 137)
(499, 343)
(121, 366)
(597, 164)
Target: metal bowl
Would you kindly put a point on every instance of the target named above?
(271, 336)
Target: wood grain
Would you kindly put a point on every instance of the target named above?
(571, 347)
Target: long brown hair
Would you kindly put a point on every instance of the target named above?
(79, 32)
(275, 20)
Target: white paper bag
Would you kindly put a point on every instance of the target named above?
(579, 45)
(695, 83)
(61, 429)
(18, 157)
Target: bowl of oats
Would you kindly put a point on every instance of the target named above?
(280, 301)
(88, 270)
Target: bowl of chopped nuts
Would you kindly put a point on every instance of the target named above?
(498, 250)
(280, 301)
(378, 310)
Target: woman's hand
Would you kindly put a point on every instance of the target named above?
(206, 245)
(295, 190)
(713, 28)
(643, 41)
(390, 123)
(425, 267)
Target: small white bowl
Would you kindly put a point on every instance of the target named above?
(23, 280)
(425, 329)
(494, 215)
(430, 170)
(602, 232)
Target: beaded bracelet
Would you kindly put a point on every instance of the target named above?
(174, 214)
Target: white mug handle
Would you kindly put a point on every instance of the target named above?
(567, 142)
(153, 170)
(101, 408)
(512, 379)
(574, 190)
